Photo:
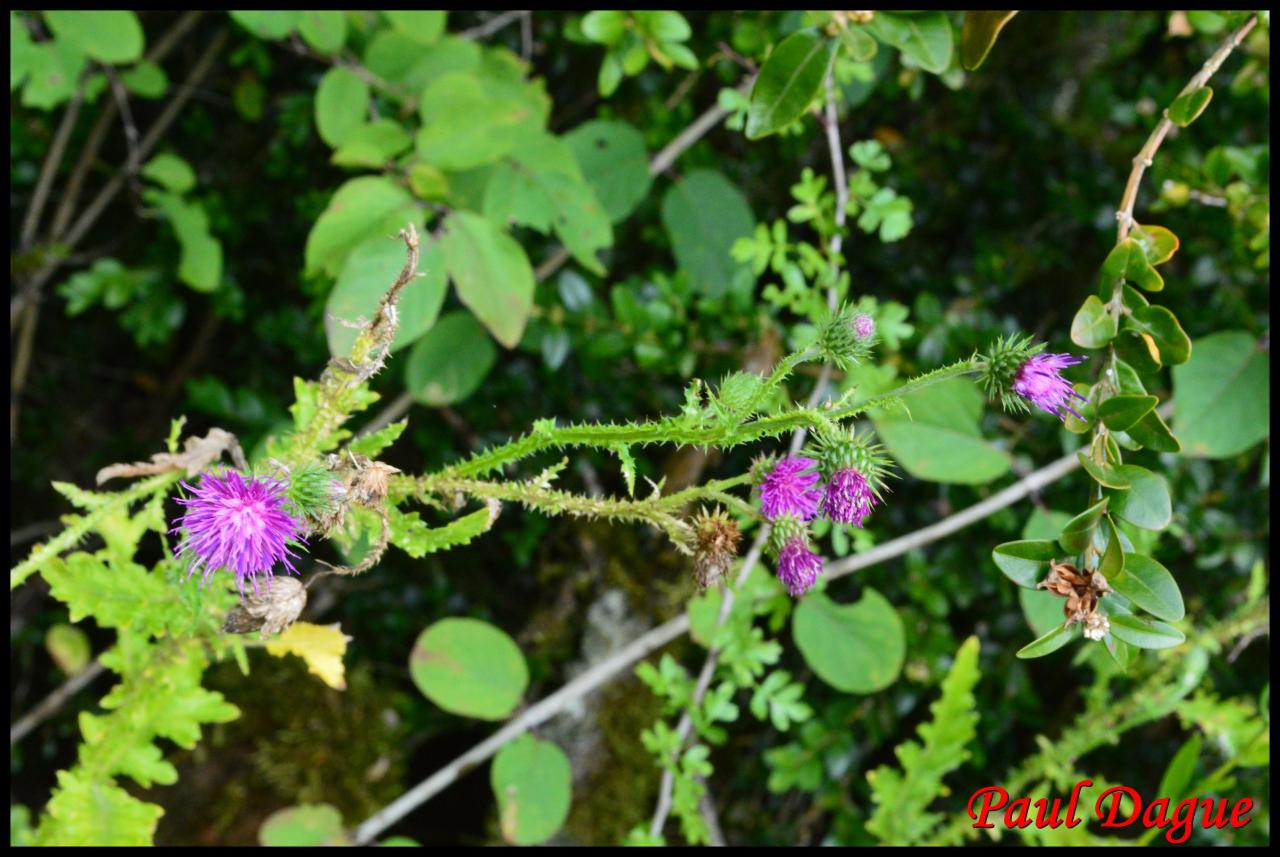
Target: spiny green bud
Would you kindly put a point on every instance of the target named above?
(739, 390)
(845, 337)
(761, 466)
(311, 490)
(1000, 365)
(787, 528)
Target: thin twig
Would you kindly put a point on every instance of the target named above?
(491, 26)
(52, 703)
(70, 196)
(654, 639)
(1124, 215)
(57, 149)
(94, 209)
(526, 36)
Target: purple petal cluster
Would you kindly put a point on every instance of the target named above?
(238, 524)
(798, 567)
(1039, 381)
(864, 326)
(790, 489)
(849, 498)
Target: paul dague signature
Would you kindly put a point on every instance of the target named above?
(1110, 809)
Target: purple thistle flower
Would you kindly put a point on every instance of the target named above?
(1040, 381)
(238, 524)
(864, 326)
(789, 489)
(798, 567)
(849, 498)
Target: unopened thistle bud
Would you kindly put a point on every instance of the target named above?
(312, 491)
(716, 537)
(845, 337)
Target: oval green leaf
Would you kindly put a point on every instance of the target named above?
(491, 272)
(856, 648)
(1023, 561)
(925, 38)
(1186, 108)
(469, 667)
(1222, 395)
(704, 215)
(789, 80)
(1106, 476)
(533, 784)
(450, 361)
(1145, 503)
(342, 105)
(324, 30)
(614, 162)
(1076, 534)
(109, 37)
(1118, 413)
(303, 825)
(1149, 585)
(1145, 633)
(1093, 326)
(1163, 327)
(978, 34)
(1049, 643)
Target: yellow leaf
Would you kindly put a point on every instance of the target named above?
(321, 646)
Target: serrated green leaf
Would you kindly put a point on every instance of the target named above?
(903, 797)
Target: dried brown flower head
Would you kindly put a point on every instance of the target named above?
(1082, 590)
(716, 540)
(271, 608)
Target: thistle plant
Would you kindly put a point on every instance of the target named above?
(824, 411)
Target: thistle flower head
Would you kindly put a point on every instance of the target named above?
(798, 567)
(789, 489)
(855, 470)
(238, 524)
(1039, 380)
(849, 498)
